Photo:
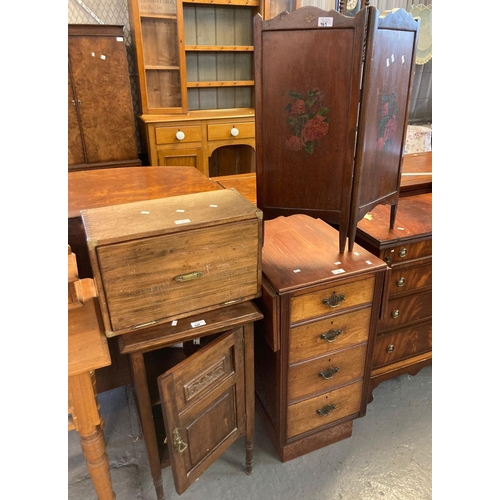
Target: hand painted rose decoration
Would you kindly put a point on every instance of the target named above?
(388, 121)
(307, 120)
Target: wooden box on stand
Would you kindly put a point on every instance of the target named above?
(161, 260)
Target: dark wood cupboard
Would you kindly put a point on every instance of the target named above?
(101, 124)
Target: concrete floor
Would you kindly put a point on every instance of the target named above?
(388, 456)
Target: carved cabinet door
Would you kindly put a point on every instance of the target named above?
(203, 404)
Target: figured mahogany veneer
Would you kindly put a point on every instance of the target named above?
(404, 328)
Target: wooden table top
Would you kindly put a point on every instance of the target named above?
(114, 186)
(413, 220)
(416, 174)
(87, 344)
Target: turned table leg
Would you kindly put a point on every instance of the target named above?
(88, 424)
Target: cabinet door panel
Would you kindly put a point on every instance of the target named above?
(100, 75)
(76, 155)
(203, 403)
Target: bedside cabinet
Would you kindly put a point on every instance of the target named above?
(313, 348)
(404, 329)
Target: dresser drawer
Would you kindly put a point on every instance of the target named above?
(402, 344)
(406, 252)
(328, 335)
(406, 310)
(167, 135)
(408, 278)
(325, 409)
(331, 299)
(326, 372)
(231, 131)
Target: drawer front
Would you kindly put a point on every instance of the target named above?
(328, 335)
(325, 409)
(167, 135)
(406, 310)
(331, 299)
(222, 132)
(175, 275)
(402, 344)
(404, 253)
(326, 373)
(405, 279)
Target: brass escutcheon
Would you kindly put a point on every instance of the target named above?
(179, 444)
(329, 373)
(334, 299)
(326, 410)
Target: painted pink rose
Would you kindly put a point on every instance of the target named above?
(384, 109)
(294, 143)
(380, 144)
(298, 107)
(315, 129)
(390, 128)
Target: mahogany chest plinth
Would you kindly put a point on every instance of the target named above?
(160, 260)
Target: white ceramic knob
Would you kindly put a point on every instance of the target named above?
(234, 131)
(180, 135)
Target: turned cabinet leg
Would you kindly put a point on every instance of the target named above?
(250, 396)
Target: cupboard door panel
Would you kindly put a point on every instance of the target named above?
(203, 404)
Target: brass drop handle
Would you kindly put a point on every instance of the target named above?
(403, 252)
(401, 281)
(331, 335)
(179, 444)
(326, 410)
(189, 276)
(390, 348)
(329, 373)
(334, 300)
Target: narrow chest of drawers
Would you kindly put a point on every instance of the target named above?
(404, 327)
(313, 348)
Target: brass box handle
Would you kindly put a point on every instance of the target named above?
(189, 276)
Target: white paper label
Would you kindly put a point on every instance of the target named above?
(145, 212)
(194, 324)
(325, 22)
(180, 210)
(355, 253)
(338, 263)
(338, 271)
(213, 206)
(103, 57)
(368, 262)
(296, 270)
(119, 39)
(182, 221)
(174, 323)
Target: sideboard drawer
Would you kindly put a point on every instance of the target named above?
(402, 311)
(223, 131)
(167, 135)
(408, 278)
(325, 409)
(405, 343)
(406, 252)
(331, 299)
(328, 335)
(326, 372)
